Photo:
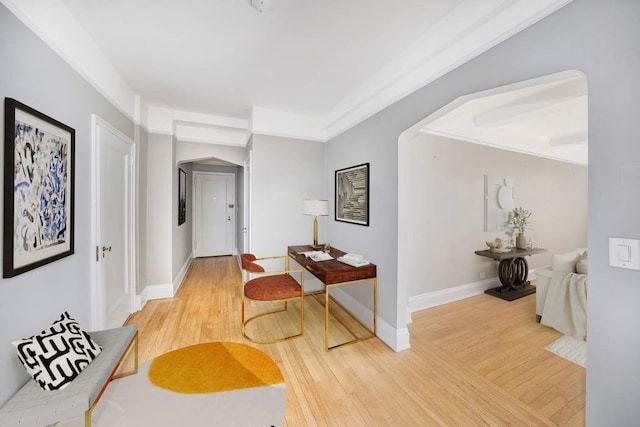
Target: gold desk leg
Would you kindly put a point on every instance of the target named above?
(326, 318)
(374, 332)
(375, 306)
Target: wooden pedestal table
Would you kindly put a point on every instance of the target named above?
(513, 271)
(333, 273)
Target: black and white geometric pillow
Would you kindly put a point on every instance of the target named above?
(58, 354)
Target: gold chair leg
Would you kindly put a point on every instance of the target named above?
(87, 417)
(250, 319)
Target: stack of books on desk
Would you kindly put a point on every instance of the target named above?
(353, 260)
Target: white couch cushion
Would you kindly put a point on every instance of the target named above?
(565, 262)
(581, 265)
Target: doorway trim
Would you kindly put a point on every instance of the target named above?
(404, 311)
(97, 310)
(246, 205)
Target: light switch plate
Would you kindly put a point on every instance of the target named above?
(624, 253)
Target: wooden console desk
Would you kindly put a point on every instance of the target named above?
(334, 273)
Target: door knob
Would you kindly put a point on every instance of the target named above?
(106, 249)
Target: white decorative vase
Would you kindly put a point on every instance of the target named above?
(521, 241)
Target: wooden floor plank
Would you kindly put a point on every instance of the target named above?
(479, 361)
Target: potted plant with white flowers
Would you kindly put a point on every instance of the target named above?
(519, 219)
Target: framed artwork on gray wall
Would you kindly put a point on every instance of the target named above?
(352, 194)
(182, 196)
(39, 154)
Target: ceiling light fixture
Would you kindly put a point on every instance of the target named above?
(261, 5)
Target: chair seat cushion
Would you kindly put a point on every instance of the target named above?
(272, 288)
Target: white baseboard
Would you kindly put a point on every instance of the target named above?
(150, 292)
(445, 296)
(177, 281)
(141, 300)
(401, 338)
(163, 290)
(396, 339)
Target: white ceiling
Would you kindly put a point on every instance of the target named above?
(224, 57)
(218, 70)
(546, 117)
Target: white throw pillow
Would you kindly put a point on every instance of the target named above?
(58, 354)
(581, 265)
(565, 262)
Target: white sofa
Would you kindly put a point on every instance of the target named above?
(570, 262)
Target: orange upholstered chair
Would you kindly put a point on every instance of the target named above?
(270, 286)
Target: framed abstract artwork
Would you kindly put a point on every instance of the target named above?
(39, 154)
(182, 196)
(352, 194)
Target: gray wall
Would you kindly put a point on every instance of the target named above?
(448, 208)
(285, 171)
(160, 206)
(602, 39)
(182, 234)
(168, 244)
(142, 142)
(34, 75)
(374, 142)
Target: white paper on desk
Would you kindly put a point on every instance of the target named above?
(354, 262)
(354, 257)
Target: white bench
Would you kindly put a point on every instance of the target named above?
(33, 406)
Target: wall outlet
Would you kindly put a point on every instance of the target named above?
(483, 275)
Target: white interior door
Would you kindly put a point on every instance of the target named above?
(214, 212)
(114, 208)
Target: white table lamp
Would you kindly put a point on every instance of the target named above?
(315, 208)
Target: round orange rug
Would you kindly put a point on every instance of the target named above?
(233, 384)
(213, 367)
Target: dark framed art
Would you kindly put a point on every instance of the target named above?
(182, 196)
(352, 195)
(39, 154)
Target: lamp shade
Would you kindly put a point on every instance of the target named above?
(315, 207)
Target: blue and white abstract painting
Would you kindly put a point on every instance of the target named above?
(41, 190)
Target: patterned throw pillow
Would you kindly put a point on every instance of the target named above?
(58, 354)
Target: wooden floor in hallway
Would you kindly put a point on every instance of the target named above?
(479, 361)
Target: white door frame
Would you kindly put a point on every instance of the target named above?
(246, 203)
(97, 297)
(234, 249)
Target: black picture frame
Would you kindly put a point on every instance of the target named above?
(39, 185)
(182, 196)
(352, 195)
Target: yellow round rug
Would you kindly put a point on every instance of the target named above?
(213, 367)
(220, 383)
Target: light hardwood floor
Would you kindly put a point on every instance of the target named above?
(479, 361)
